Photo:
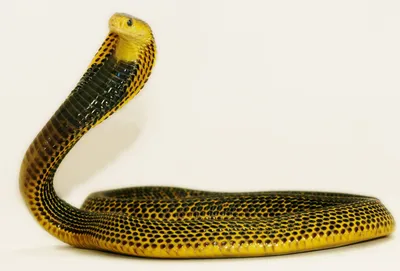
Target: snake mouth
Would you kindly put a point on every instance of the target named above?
(121, 32)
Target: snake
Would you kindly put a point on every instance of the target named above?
(174, 222)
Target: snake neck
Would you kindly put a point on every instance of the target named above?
(127, 50)
(117, 73)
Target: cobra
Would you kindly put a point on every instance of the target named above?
(170, 222)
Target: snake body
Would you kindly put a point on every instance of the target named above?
(169, 222)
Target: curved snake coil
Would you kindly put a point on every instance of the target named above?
(170, 222)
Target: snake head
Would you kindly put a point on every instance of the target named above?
(129, 27)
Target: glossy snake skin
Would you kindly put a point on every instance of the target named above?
(172, 222)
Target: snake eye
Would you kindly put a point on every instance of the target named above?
(129, 22)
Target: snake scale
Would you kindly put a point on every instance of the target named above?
(170, 222)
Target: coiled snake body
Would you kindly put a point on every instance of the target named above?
(175, 222)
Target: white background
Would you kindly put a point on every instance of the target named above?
(246, 95)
